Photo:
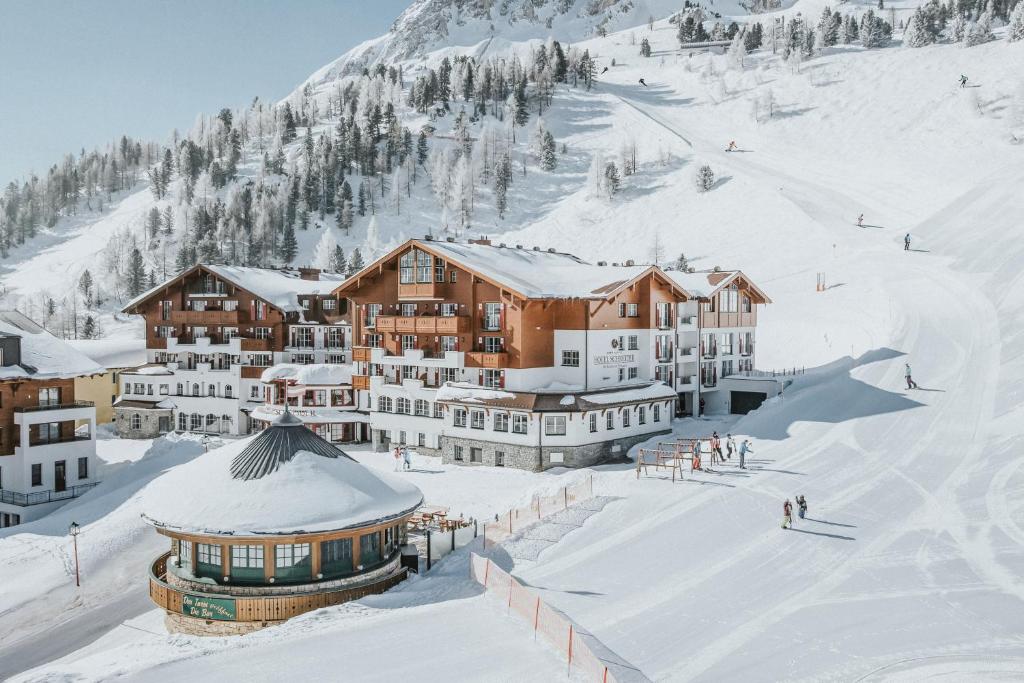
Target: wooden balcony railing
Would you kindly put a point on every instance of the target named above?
(361, 382)
(249, 344)
(252, 371)
(209, 317)
(423, 324)
(481, 359)
(361, 354)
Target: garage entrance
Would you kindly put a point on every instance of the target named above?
(742, 402)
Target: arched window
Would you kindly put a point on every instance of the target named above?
(195, 389)
(211, 390)
(227, 391)
(196, 422)
(136, 421)
(182, 421)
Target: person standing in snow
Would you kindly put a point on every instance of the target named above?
(398, 457)
(716, 448)
(963, 81)
(906, 242)
(787, 515)
(695, 463)
(911, 384)
(801, 506)
(406, 459)
(730, 446)
(702, 407)
(744, 449)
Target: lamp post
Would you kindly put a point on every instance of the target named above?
(74, 530)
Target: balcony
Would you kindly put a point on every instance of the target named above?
(686, 383)
(709, 352)
(688, 352)
(208, 317)
(423, 290)
(54, 406)
(249, 344)
(59, 412)
(688, 321)
(39, 497)
(423, 324)
(252, 371)
(361, 354)
(482, 359)
(361, 382)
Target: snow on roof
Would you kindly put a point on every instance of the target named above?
(278, 287)
(703, 283)
(651, 392)
(268, 413)
(469, 393)
(112, 353)
(331, 374)
(308, 493)
(538, 274)
(150, 369)
(43, 356)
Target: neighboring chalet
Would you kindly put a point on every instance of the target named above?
(319, 395)
(210, 334)
(116, 356)
(549, 360)
(44, 459)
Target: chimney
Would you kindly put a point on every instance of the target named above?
(551, 250)
(536, 248)
(482, 240)
(428, 238)
(519, 246)
(308, 273)
(602, 263)
(717, 269)
(629, 262)
(449, 239)
(10, 350)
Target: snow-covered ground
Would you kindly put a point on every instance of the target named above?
(910, 564)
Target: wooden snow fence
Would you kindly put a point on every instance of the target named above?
(582, 651)
(517, 519)
(658, 458)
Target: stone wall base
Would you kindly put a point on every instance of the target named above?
(150, 428)
(179, 623)
(539, 458)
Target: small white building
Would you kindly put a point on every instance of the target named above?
(320, 395)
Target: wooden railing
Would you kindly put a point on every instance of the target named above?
(480, 359)
(208, 317)
(361, 382)
(423, 324)
(249, 344)
(361, 354)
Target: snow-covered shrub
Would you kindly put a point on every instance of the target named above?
(980, 31)
(958, 28)
(704, 178)
(1016, 30)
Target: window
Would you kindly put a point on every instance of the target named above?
(499, 458)
(460, 417)
(519, 423)
(476, 455)
(83, 467)
(708, 345)
(261, 333)
(708, 374)
(476, 419)
(165, 389)
(554, 425)
(261, 360)
(634, 342)
(408, 342)
(438, 411)
(622, 374)
(208, 561)
(451, 276)
(494, 344)
(402, 406)
(165, 309)
(593, 422)
(50, 396)
(336, 557)
(449, 343)
(195, 389)
(571, 359)
(136, 421)
(493, 379)
(372, 311)
(37, 474)
(421, 439)
(182, 421)
(328, 304)
(438, 270)
(730, 299)
(449, 375)
(335, 338)
(230, 305)
(196, 421)
(622, 310)
(492, 316)
(625, 417)
(727, 368)
(725, 343)
(641, 415)
(229, 332)
(48, 432)
(375, 341)
(302, 358)
(254, 392)
(422, 408)
(407, 268)
(247, 563)
(292, 561)
(302, 337)
(149, 389)
(408, 372)
(449, 310)
(369, 549)
(384, 404)
(744, 303)
(501, 422)
(185, 554)
(663, 314)
(408, 310)
(457, 450)
(634, 371)
(424, 266)
(657, 413)
(609, 420)
(663, 347)
(632, 311)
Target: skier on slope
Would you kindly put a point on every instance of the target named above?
(860, 221)
(911, 384)
(787, 515)
(730, 446)
(731, 147)
(716, 449)
(801, 506)
(963, 81)
(604, 70)
(643, 83)
(906, 242)
(695, 463)
(744, 449)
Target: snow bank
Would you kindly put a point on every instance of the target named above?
(319, 374)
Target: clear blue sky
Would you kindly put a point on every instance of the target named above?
(76, 73)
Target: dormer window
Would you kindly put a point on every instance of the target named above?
(415, 266)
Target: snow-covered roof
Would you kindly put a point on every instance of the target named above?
(43, 356)
(469, 393)
(323, 374)
(150, 369)
(112, 353)
(269, 413)
(652, 392)
(291, 489)
(278, 287)
(706, 283)
(536, 401)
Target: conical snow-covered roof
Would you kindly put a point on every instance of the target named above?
(284, 480)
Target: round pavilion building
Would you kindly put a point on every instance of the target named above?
(272, 526)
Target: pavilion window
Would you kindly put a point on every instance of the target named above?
(208, 561)
(370, 550)
(336, 557)
(292, 562)
(247, 563)
(185, 554)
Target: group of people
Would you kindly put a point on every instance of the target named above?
(717, 457)
(403, 459)
(787, 511)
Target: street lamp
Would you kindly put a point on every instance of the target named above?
(74, 530)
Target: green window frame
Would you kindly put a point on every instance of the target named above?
(247, 563)
(336, 557)
(293, 562)
(370, 550)
(208, 561)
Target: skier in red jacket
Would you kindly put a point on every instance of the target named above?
(787, 515)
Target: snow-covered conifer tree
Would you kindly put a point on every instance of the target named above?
(338, 261)
(980, 31)
(612, 180)
(1016, 30)
(645, 48)
(289, 245)
(356, 263)
(737, 51)
(595, 176)
(704, 178)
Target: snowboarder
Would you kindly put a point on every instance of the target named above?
(642, 83)
(730, 446)
(787, 515)
(406, 459)
(731, 147)
(860, 221)
(906, 242)
(716, 448)
(911, 384)
(604, 70)
(963, 81)
(744, 449)
(398, 456)
(801, 506)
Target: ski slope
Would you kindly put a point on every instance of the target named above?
(911, 563)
